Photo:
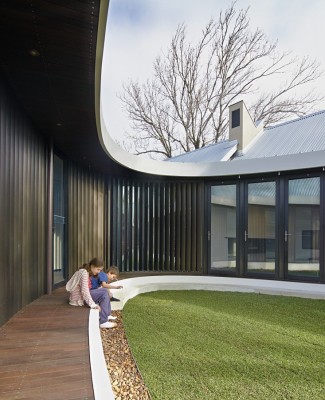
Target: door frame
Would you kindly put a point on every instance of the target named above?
(244, 230)
(285, 227)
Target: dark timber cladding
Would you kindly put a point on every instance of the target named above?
(139, 226)
(23, 204)
(87, 216)
(156, 226)
(47, 72)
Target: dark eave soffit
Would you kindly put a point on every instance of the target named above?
(56, 87)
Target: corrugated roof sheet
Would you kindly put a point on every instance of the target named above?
(221, 151)
(301, 135)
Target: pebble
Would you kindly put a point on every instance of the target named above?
(127, 382)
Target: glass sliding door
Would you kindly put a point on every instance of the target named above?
(223, 228)
(58, 221)
(302, 231)
(261, 227)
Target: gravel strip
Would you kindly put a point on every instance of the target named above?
(126, 380)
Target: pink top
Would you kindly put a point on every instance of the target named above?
(78, 286)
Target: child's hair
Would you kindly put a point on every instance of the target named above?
(95, 262)
(113, 269)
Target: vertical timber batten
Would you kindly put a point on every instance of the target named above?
(49, 253)
(86, 216)
(157, 226)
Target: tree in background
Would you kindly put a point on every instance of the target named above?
(185, 105)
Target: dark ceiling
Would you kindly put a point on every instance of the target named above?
(48, 58)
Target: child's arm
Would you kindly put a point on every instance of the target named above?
(85, 290)
(109, 286)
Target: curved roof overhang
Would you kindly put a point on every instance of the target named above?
(303, 161)
(60, 91)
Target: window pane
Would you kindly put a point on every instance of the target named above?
(58, 220)
(223, 227)
(261, 227)
(235, 120)
(303, 227)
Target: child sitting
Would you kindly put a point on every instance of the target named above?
(107, 278)
(84, 287)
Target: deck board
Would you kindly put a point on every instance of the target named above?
(44, 351)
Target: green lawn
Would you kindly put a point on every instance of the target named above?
(221, 345)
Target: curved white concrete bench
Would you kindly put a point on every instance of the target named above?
(134, 286)
(100, 377)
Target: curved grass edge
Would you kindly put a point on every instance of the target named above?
(154, 321)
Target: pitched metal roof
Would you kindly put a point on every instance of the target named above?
(302, 135)
(221, 151)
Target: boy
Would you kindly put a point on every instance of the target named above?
(105, 280)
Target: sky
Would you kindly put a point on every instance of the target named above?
(139, 30)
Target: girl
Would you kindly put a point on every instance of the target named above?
(80, 288)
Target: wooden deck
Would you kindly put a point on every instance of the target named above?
(44, 351)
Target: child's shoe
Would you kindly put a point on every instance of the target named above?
(108, 325)
(76, 303)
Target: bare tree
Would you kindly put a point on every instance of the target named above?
(185, 105)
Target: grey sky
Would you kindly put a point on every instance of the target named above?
(137, 31)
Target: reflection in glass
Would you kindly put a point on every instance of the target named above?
(302, 235)
(260, 238)
(223, 227)
(58, 220)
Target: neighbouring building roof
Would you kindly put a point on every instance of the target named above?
(302, 135)
(221, 151)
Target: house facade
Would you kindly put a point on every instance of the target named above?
(267, 224)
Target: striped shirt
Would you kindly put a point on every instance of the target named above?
(78, 286)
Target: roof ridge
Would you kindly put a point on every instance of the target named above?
(295, 120)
